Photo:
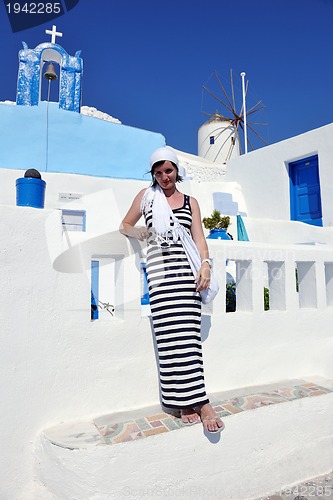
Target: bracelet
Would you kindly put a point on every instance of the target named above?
(207, 260)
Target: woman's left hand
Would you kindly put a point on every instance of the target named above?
(203, 277)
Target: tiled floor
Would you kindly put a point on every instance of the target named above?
(113, 433)
(113, 429)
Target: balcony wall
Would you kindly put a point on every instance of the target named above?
(59, 365)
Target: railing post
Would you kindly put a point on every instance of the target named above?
(244, 288)
(292, 299)
(258, 284)
(219, 269)
(320, 284)
(329, 283)
(277, 285)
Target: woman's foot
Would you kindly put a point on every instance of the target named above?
(210, 420)
(189, 416)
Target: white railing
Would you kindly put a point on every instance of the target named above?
(297, 276)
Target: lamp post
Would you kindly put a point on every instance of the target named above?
(244, 111)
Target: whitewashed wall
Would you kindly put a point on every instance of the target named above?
(106, 200)
(263, 174)
(58, 365)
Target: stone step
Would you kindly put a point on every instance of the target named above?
(142, 423)
(275, 435)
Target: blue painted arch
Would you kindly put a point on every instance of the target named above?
(29, 75)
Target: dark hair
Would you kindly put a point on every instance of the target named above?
(179, 178)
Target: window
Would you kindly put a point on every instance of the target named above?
(102, 288)
(212, 140)
(74, 220)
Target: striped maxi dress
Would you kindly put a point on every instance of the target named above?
(176, 314)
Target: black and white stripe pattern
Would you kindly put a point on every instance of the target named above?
(176, 312)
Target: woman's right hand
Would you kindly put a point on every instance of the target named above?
(140, 233)
(127, 226)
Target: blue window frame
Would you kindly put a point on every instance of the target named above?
(73, 220)
(94, 289)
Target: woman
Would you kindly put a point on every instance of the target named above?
(174, 293)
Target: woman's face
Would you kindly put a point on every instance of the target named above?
(166, 175)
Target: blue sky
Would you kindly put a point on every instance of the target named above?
(146, 61)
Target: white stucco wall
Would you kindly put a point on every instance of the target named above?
(263, 174)
(58, 365)
(107, 200)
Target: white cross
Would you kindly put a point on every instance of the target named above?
(53, 33)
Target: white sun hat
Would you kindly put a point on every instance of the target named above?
(164, 154)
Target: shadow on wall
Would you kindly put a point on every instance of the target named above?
(206, 323)
(225, 204)
(76, 258)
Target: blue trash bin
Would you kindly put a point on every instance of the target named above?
(30, 192)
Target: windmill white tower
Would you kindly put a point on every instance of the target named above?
(219, 137)
(218, 140)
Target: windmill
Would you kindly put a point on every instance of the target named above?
(219, 139)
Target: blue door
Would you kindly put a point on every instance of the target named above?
(305, 200)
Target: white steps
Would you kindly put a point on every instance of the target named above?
(137, 454)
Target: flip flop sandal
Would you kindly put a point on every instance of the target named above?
(213, 419)
(189, 423)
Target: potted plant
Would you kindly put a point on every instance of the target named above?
(217, 225)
